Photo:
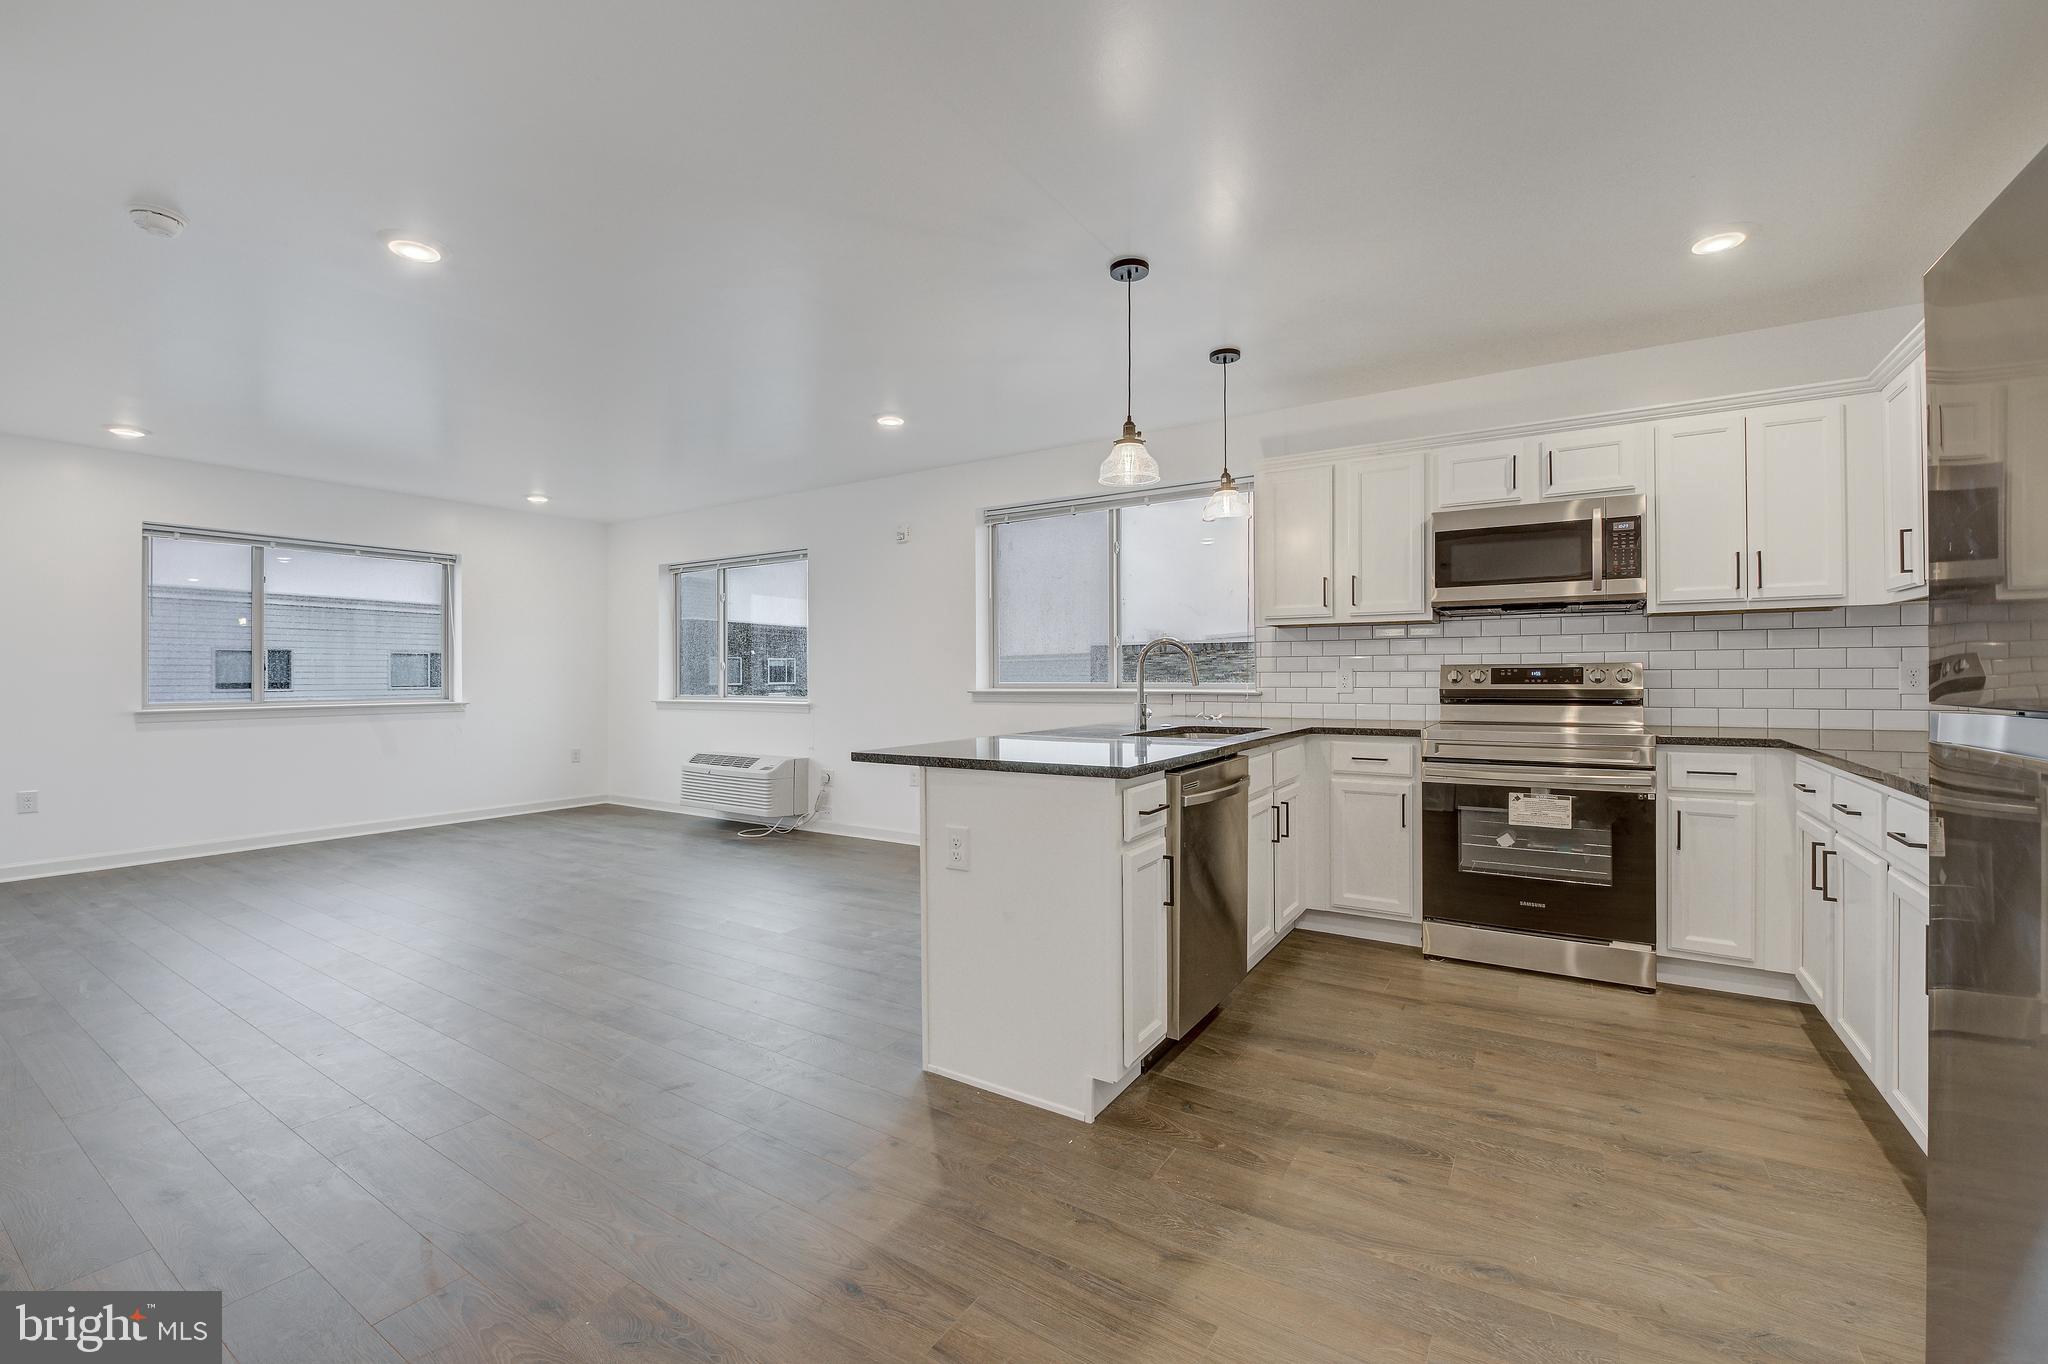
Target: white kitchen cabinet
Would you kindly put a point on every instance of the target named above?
(1288, 897)
(1372, 839)
(1699, 512)
(1854, 878)
(1382, 525)
(1294, 532)
(1798, 502)
(1146, 886)
(1484, 474)
(1713, 906)
(1906, 1075)
(1262, 839)
(1905, 481)
(1816, 951)
(1598, 462)
(1965, 423)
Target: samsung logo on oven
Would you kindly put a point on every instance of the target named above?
(1532, 904)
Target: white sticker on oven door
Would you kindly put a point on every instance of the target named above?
(1539, 812)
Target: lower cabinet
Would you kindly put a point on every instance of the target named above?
(1854, 878)
(1288, 898)
(1713, 908)
(1816, 949)
(1906, 1081)
(1146, 887)
(1262, 841)
(1372, 862)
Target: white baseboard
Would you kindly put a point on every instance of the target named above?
(1403, 932)
(816, 826)
(26, 871)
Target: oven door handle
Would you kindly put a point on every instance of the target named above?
(1509, 774)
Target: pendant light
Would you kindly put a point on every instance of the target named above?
(1228, 502)
(1129, 464)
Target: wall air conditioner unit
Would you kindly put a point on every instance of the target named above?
(754, 784)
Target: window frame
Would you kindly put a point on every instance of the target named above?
(672, 665)
(259, 688)
(1114, 504)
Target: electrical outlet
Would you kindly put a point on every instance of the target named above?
(1912, 676)
(916, 775)
(575, 755)
(1348, 669)
(959, 850)
(27, 802)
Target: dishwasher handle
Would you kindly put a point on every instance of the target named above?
(1222, 792)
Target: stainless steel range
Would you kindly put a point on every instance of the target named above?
(1539, 831)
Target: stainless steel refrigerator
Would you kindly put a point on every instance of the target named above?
(1987, 387)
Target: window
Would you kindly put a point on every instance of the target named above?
(331, 622)
(1077, 589)
(742, 627)
(409, 672)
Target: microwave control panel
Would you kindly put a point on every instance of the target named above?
(1624, 548)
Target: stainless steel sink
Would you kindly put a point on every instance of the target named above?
(1194, 732)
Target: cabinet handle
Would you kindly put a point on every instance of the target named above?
(1738, 570)
(1404, 809)
(1274, 810)
(1802, 786)
(1167, 858)
(1153, 811)
(1856, 814)
(1357, 759)
(1709, 772)
(1354, 591)
(1286, 819)
(1904, 531)
(1927, 960)
(1825, 854)
(1514, 472)
(1813, 866)
(1549, 470)
(1326, 594)
(1901, 838)
(1759, 570)
(1681, 832)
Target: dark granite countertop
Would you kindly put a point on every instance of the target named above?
(1111, 751)
(1894, 758)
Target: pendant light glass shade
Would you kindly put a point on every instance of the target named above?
(1129, 464)
(1228, 502)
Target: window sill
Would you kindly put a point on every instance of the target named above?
(734, 702)
(1105, 693)
(236, 709)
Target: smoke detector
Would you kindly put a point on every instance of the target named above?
(157, 222)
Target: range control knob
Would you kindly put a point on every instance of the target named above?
(1479, 674)
(1596, 675)
(1456, 677)
(1624, 675)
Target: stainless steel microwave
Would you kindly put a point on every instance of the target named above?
(1586, 552)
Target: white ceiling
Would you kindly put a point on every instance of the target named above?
(693, 249)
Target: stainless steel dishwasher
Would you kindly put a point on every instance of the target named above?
(1206, 839)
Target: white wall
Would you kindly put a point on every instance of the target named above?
(115, 785)
(893, 626)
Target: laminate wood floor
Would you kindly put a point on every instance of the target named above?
(607, 1085)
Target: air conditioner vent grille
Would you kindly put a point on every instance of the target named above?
(725, 759)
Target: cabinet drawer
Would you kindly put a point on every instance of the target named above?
(1714, 769)
(1261, 764)
(1905, 835)
(1811, 784)
(1144, 809)
(1856, 808)
(1288, 761)
(1372, 758)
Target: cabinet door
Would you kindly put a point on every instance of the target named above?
(1713, 909)
(1905, 474)
(1287, 895)
(1262, 836)
(1798, 502)
(1863, 974)
(1146, 872)
(1605, 459)
(1371, 857)
(1482, 474)
(1293, 528)
(1382, 511)
(1816, 969)
(1965, 423)
(1699, 511)
(1908, 1071)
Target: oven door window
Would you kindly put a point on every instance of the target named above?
(1490, 843)
(1499, 556)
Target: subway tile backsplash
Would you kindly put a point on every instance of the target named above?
(1829, 669)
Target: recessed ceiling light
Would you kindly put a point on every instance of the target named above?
(536, 498)
(126, 432)
(414, 250)
(1718, 242)
(888, 419)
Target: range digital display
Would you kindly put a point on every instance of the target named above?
(1525, 677)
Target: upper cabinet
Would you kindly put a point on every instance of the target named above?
(1905, 480)
(1751, 507)
(1343, 541)
(1598, 461)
